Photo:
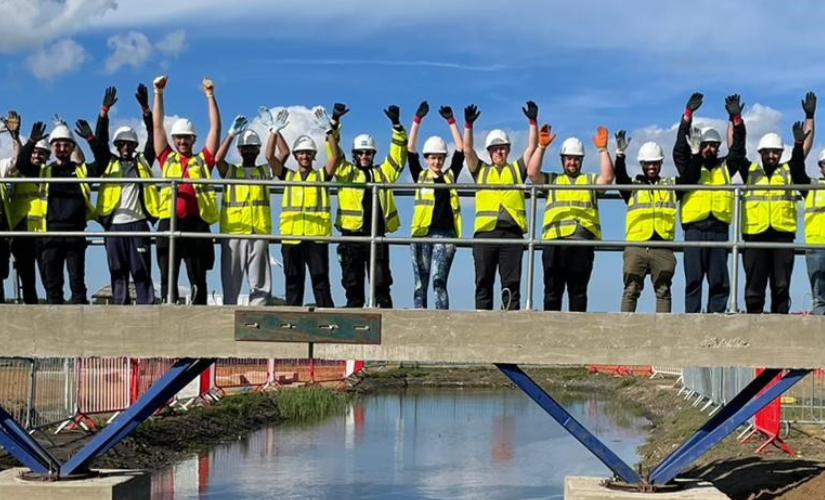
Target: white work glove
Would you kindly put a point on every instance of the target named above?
(322, 118)
(280, 122)
(694, 139)
(57, 121)
(622, 141)
(239, 124)
(265, 116)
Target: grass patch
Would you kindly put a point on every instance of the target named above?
(308, 404)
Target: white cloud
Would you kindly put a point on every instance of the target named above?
(61, 57)
(129, 49)
(28, 23)
(172, 44)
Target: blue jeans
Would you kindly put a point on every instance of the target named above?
(439, 258)
(816, 273)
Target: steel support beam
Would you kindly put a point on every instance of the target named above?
(23, 447)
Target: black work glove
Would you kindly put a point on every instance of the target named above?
(809, 105)
(694, 103)
(142, 96)
(38, 131)
(799, 132)
(446, 112)
(422, 110)
(339, 110)
(83, 129)
(531, 111)
(471, 114)
(109, 98)
(393, 112)
(734, 106)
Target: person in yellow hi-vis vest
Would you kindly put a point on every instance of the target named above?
(354, 216)
(19, 197)
(769, 215)
(500, 213)
(126, 207)
(815, 232)
(306, 211)
(570, 215)
(651, 216)
(60, 207)
(197, 204)
(245, 210)
(437, 212)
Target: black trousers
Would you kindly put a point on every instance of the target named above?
(5, 255)
(763, 266)
(197, 253)
(567, 267)
(507, 259)
(706, 262)
(57, 253)
(297, 258)
(130, 256)
(355, 262)
(26, 257)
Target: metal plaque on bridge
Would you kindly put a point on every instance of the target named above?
(316, 327)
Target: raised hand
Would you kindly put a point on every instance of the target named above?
(694, 140)
(109, 99)
(546, 135)
(799, 132)
(83, 129)
(600, 139)
(322, 118)
(142, 96)
(393, 112)
(734, 106)
(12, 123)
(531, 111)
(239, 124)
(809, 105)
(446, 112)
(280, 122)
(339, 110)
(422, 110)
(208, 87)
(265, 116)
(160, 83)
(622, 141)
(694, 103)
(471, 113)
(38, 131)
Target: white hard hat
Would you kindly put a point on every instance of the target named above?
(363, 142)
(304, 143)
(771, 140)
(61, 132)
(249, 138)
(650, 152)
(710, 134)
(572, 147)
(42, 144)
(821, 156)
(125, 134)
(496, 137)
(434, 146)
(182, 126)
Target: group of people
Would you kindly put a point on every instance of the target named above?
(769, 215)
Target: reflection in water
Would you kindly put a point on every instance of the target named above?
(487, 444)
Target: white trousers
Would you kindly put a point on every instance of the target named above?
(239, 256)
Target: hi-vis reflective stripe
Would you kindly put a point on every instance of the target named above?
(241, 204)
(305, 209)
(350, 213)
(398, 142)
(486, 173)
(578, 204)
(814, 210)
(424, 203)
(562, 223)
(638, 206)
(394, 164)
(788, 196)
(490, 213)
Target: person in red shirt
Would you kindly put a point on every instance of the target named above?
(197, 207)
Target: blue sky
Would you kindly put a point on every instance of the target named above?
(627, 65)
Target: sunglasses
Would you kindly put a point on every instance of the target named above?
(363, 152)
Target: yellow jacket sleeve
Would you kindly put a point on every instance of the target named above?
(394, 163)
(343, 172)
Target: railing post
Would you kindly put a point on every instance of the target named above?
(376, 206)
(30, 396)
(172, 283)
(734, 270)
(531, 248)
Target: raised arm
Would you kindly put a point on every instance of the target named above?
(238, 126)
(214, 134)
(446, 112)
(606, 172)
(12, 124)
(531, 111)
(420, 113)
(797, 161)
(471, 114)
(681, 149)
(546, 137)
(100, 143)
(24, 157)
(158, 115)
(809, 106)
(734, 107)
(693, 170)
(84, 130)
(334, 159)
(142, 96)
(397, 157)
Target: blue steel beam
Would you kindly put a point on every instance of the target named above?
(566, 420)
(184, 371)
(23, 447)
(741, 399)
(665, 474)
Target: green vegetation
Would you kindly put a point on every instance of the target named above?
(308, 404)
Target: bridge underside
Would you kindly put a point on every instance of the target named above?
(521, 337)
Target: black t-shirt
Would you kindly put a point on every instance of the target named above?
(67, 207)
(442, 210)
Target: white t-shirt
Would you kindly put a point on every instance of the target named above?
(129, 210)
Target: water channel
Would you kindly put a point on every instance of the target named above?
(473, 444)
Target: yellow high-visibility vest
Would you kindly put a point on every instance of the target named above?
(768, 208)
(205, 193)
(245, 209)
(108, 197)
(490, 201)
(305, 210)
(565, 209)
(40, 205)
(425, 204)
(651, 210)
(815, 215)
(698, 205)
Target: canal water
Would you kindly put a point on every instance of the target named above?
(470, 444)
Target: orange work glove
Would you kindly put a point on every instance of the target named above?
(600, 139)
(546, 137)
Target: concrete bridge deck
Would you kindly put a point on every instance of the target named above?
(521, 337)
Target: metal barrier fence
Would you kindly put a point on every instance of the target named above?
(714, 386)
(804, 403)
(530, 242)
